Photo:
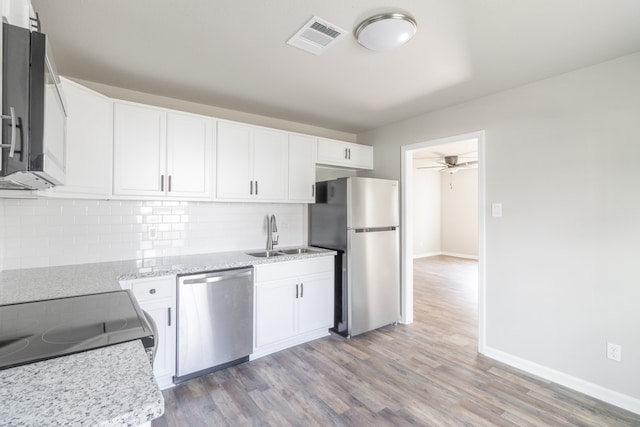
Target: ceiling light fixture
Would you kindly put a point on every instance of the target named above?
(386, 31)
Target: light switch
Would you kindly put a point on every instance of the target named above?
(496, 210)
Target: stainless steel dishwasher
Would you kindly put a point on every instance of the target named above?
(215, 321)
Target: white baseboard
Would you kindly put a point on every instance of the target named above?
(610, 396)
(436, 253)
(453, 254)
(426, 254)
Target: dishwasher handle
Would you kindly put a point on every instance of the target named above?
(215, 277)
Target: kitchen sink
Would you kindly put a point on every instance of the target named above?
(265, 254)
(269, 254)
(298, 251)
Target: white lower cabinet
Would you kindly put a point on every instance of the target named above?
(156, 296)
(293, 303)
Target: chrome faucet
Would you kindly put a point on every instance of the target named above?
(271, 228)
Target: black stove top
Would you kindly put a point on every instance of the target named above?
(39, 330)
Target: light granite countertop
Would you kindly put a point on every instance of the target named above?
(110, 386)
(69, 280)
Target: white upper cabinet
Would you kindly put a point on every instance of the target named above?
(160, 153)
(345, 154)
(251, 163)
(302, 170)
(120, 149)
(189, 156)
(139, 151)
(17, 12)
(89, 143)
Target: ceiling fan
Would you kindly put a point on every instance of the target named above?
(452, 164)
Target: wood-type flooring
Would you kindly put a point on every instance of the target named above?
(424, 374)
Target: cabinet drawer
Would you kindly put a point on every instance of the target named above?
(281, 270)
(153, 288)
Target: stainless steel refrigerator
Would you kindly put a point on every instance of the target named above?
(359, 218)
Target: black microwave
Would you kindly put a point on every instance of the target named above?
(33, 112)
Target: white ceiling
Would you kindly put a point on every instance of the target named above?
(233, 54)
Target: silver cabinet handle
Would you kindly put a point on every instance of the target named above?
(313, 190)
(152, 291)
(349, 151)
(14, 125)
(296, 290)
(168, 316)
(256, 188)
(346, 153)
(301, 290)
(161, 182)
(169, 183)
(251, 188)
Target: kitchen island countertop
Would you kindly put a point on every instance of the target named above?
(111, 386)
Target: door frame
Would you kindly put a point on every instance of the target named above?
(406, 231)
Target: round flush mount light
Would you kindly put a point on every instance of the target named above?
(386, 31)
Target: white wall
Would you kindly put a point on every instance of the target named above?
(459, 213)
(426, 208)
(324, 173)
(49, 232)
(445, 218)
(561, 264)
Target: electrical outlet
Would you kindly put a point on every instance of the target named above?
(153, 232)
(614, 351)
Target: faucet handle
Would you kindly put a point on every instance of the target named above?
(275, 240)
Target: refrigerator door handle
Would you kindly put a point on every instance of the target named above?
(374, 229)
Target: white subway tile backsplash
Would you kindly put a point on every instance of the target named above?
(49, 232)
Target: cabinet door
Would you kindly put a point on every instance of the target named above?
(89, 142)
(315, 308)
(361, 156)
(275, 311)
(270, 163)
(233, 173)
(156, 296)
(139, 150)
(189, 155)
(164, 317)
(17, 12)
(339, 153)
(302, 168)
(332, 152)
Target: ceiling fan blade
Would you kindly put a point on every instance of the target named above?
(460, 166)
(431, 167)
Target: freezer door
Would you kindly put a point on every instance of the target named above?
(373, 202)
(374, 279)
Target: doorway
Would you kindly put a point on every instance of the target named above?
(408, 229)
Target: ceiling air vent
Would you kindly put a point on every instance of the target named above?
(316, 36)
